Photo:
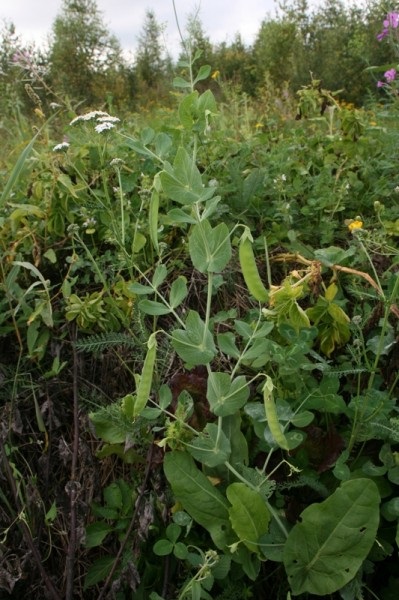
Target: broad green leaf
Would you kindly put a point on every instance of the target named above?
(249, 515)
(210, 247)
(65, 180)
(302, 419)
(231, 427)
(194, 344)
(98, 571)
(139, 289)
(179, 82)
(51, 514)
(137, 146)
(333, 255)
(163, 547)
(338, 314)
(178, 215)
(225, 396)
(211, 447)
(151, 307)
(272, 544)
(227, 344)
(96, 533)
(178, 291)
(199, 498)
(127, 405)
(113, 496)
(390, 509)
(106, 429)
(183, 183)
(187, 109)
(326, 549)
(139, 242)
(159, 276)
(51, 256)
(147, 135)
(173, 532)
(210, 208)
(298, 317)
(180, 551)
(207, 103)
(163, 143)
(203, 73)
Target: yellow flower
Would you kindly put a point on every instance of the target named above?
(355, 225)
(215, 74)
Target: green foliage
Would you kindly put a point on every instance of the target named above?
(325, 550)
(84, 57)
(221, 305)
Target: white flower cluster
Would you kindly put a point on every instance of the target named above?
(103, 119)
(61, 146)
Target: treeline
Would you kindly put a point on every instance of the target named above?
(84, 64)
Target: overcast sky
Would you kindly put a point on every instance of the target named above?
(221, 19)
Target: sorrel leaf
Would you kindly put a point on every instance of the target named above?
(326, 549)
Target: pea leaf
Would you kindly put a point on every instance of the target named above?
(183, 181)
(194, 344)
(326, 549)
(226, 396)
(210, 247)
(178, 291)
(151, 307)
(211, 447)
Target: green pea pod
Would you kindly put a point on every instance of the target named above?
(153, 219)
(144, 387)
(271, 415)
(249, 268)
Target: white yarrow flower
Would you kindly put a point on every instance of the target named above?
(107, 119)
(62, 146)
(94, 114)
(104, 126)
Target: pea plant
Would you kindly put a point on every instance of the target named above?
(255, 407)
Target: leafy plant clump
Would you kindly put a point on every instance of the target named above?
(199, 355)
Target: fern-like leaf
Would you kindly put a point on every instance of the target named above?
(102, 341)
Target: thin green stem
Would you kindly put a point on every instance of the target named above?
(89, 254)
(122, 210)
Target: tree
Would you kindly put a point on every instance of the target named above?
(236, 65)
(85, 59)
(152, 65)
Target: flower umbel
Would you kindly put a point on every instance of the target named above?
(61, 146)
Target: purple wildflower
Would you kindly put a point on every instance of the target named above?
(391, 22)
(382, 35)
(390, 75)
(380, 84)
